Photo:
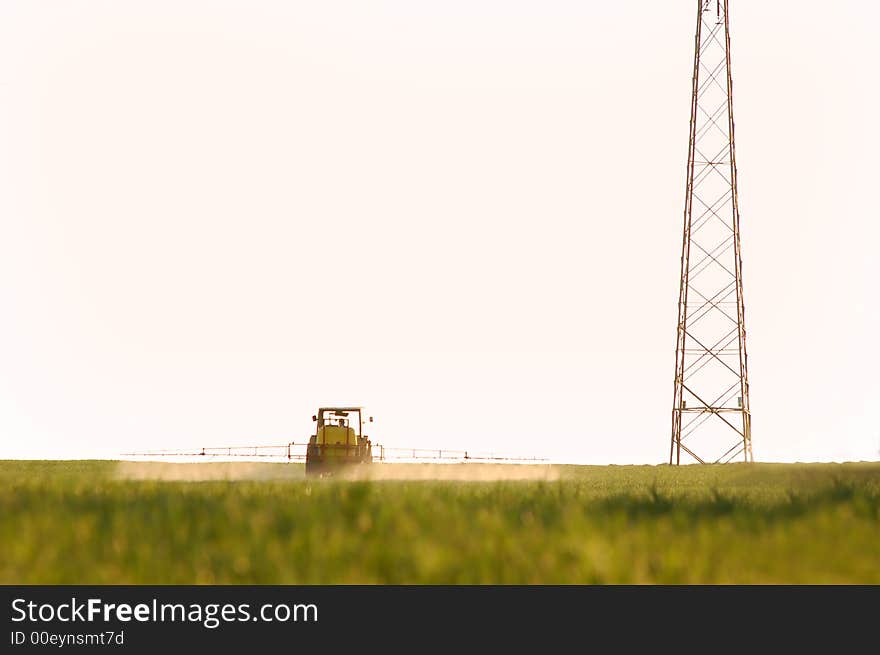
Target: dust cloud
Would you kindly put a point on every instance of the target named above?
(211, 471)
(454, 472)
(207, 471)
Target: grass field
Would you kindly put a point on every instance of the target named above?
(91, 522)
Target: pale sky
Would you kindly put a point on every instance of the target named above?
(464, 215)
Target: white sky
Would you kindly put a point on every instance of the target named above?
(465, 215)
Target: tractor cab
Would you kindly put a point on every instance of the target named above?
(338, 441)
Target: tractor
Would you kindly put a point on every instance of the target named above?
(338, 442)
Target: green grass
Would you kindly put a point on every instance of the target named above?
(78, 522)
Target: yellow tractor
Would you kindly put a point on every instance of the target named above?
(339, 441)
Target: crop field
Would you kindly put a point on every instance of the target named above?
(129, 523)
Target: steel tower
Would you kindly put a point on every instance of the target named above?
(711, 422)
